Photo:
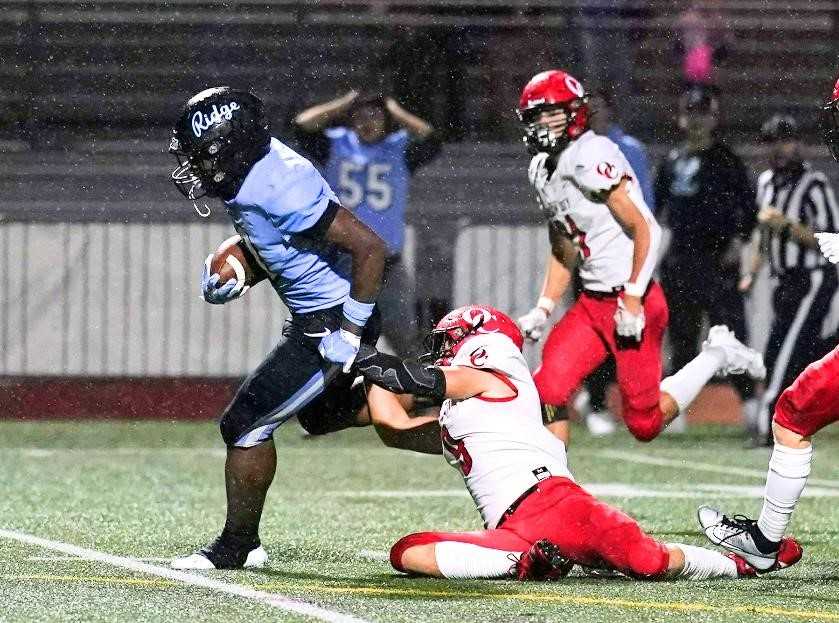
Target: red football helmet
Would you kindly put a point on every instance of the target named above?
(830, 122)
(460, 324)
(551, 90)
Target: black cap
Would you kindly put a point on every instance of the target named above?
(700, 100)
(779, 128)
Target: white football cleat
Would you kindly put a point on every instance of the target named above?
(735, 535)
(215, 557)
(600, 423)
(739, 358)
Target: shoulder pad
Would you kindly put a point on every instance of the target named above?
(599, 167)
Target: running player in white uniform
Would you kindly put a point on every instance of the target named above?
(597, 215)
(538, 520)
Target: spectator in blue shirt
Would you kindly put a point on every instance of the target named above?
(369, 147)
(603, 122)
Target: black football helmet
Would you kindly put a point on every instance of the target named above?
(218, 137)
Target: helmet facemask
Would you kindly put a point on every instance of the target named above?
(553, 136)
(200, 173)
(830, 127)
(441, 345)
(219, 136)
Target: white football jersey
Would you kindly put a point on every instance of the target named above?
(572, 197)
(499, 445)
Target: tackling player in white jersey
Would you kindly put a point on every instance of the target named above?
(538, 521)
(597, 215)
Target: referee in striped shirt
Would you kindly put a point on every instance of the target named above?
(794, 201)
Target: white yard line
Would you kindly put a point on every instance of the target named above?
(372, 554)
(42, 453)
(710, 490)
(274, 600)
(401, 493)
(688, 465)
(77, 559)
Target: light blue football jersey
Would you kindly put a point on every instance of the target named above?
(372, 180)
(282, 196)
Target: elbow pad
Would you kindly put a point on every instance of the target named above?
(401, 376)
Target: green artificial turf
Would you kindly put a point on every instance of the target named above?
(155, 490)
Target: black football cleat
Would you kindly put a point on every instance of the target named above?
(543, 562)
(225, 552)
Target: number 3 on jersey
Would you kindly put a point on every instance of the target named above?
(373, 187)
(578, 236)
(457, 450)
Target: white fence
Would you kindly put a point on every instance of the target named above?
(122, 299)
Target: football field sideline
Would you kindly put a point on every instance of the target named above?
(274, 600)
(315, 612)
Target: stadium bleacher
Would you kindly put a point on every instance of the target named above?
(124, 65)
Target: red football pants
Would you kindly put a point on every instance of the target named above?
(586, 530)
(582, 340)
(812, 401)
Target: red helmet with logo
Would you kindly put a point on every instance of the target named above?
(552, 90)
(462, 323)
(830, 122)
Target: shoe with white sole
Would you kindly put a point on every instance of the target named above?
(600, 423)
(789, 553)
(226, 552)
(739, 358)
(737, 535)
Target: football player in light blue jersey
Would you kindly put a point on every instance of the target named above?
(369, 148)
(326, 266)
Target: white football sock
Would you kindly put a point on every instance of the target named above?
(788, 471)
(684, 386)
(705, 564)
(464, 560)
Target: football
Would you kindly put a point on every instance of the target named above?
(234, 260)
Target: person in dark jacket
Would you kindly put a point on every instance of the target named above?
(704, 195)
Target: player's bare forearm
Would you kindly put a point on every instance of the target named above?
(321, 115)
(397, 427)
(561, 259)
(368, 255)
(392, 411)
(635, 226)
(557, 278)
(645, 235)
(416, 126)
(640, 234)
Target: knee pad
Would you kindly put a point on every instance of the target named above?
(550, 391)
(647, 558)
(644, 424)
